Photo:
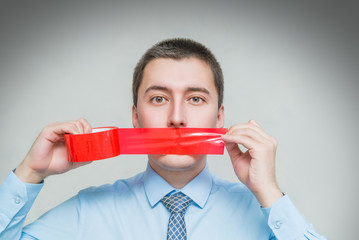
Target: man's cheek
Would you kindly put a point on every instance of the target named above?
(201, 119)
(154, 120)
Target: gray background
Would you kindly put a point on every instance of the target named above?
(291, 65)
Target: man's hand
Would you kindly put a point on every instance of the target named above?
(48, 155)
(255, 167)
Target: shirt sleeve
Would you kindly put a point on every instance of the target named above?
(286, 222)
(16, 199)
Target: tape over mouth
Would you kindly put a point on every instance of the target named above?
(108, 142)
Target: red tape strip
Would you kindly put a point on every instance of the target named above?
(110, 142)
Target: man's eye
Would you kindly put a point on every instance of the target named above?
(196, 99)
(157, 99)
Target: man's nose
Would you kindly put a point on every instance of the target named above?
(177, 116)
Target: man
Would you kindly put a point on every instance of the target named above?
(178, 83)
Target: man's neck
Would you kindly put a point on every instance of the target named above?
(178, 178)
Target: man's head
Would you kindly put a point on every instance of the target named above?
(178, 49)
(178, 83)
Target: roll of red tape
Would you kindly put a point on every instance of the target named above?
(107, 142)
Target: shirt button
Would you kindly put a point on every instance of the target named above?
(17, 200)
(277, 225)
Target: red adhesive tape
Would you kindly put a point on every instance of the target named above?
(110, 142)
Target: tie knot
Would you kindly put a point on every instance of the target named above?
(176, 203)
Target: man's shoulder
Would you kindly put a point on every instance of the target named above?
(228, 186)
(233, 194)
(119, 186)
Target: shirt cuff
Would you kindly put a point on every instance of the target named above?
(16, 198)
(285, 220)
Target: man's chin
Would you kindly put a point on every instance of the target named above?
(176, 162)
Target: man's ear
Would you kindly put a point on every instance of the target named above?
(134, 117)
(220, 117)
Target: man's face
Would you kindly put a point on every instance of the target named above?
(177, 93)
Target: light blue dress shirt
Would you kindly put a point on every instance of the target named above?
(131, 209)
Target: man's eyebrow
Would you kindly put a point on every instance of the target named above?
(198, 89)
(157, 87)
(189, 89)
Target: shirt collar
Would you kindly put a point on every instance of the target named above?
(198, 189)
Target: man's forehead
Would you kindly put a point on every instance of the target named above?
(187, 74)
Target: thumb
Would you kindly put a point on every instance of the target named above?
(233, 150)
(254, 122)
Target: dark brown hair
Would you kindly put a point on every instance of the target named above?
(178, 48)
